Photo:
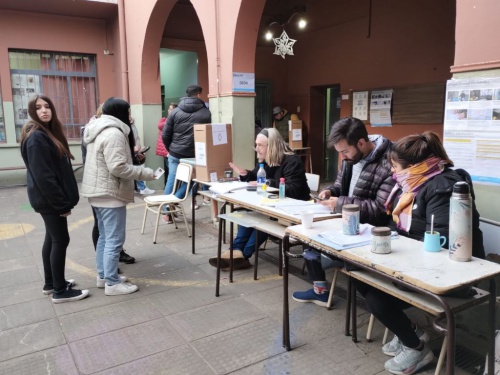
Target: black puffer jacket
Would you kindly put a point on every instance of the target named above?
(177, 134)
(292, 170)
(52, 186)
(434, 199)
(374, 185)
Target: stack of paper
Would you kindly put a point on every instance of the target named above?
(341, 241)
(297, 209)
(226, 187)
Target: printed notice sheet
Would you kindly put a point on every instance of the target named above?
(472, 127)
(380, 108)
(360, 105)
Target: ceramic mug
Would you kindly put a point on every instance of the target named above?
(433, 242)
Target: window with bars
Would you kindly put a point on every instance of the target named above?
(68, 79)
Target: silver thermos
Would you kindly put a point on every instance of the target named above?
(460, 236)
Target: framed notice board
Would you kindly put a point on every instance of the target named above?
(415, 104)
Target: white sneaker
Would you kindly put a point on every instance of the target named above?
(120, 288)
(102, 282)
(394, 347)
(146, 191)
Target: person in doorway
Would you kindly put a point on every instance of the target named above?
(139, 159)
(108, 183)
(178, 135)
(52, 192)
(160, 147)
(279, 161)
(424, 183)
(365, 179)
(281, 118)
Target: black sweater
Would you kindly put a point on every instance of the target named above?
(292, 170)
(434, 199)
(52, 186)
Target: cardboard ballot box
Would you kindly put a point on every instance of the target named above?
(213, 144)
(295, 133)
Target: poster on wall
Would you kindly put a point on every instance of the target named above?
(360, 105)
(23, 86)
(380, 108)
(471, 134)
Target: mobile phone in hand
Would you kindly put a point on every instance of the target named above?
(316, 198)
(144, 149)
(158, 173)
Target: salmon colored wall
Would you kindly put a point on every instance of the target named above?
(411, 42)
(477, 28)
(55, 33)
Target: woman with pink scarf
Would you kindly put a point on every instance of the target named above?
(424, 182)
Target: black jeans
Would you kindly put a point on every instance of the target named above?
(54, 251)
(389, 311)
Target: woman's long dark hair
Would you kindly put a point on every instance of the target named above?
(53, 128)
(416, 148)
(120, 109)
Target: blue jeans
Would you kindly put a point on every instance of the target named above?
(141, 185)
(112, 223)
(245, 240)
(173, 163)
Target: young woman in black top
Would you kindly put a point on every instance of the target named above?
(52, 192)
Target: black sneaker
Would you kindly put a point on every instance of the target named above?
(50, 289)
(125, 258)
(69, 295)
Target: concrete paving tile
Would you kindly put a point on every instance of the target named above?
(22, 276)
(166, 263)
(26, 313)
(17, 264)
(181, 360)
(115, 348)
(31, 338)
(242, 346)
(15, 249)
(218, 317)
(55, 361)
(187, 298)
(301, 360)
(108, 318)
(21, 293)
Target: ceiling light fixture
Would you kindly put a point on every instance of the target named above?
(284, 45)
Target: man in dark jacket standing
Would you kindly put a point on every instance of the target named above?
(178, 135)
(365, 179)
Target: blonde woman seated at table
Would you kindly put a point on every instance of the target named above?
(279, 161)
(424, 183)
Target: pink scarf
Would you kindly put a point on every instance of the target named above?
(410, 181)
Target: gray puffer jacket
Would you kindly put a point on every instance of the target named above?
(109, 171)
(373, 187)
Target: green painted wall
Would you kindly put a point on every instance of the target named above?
(178, 70)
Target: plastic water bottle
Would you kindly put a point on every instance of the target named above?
(261, 178)
(282, 188)
(460, 235)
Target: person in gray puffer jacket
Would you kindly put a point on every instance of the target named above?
(108, 183)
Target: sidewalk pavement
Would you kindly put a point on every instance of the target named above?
(174, 324)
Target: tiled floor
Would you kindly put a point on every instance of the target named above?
(174, 324)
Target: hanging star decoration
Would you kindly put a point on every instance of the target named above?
(284, 45)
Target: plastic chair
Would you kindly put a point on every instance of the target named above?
(169, 204)
(313, 181)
